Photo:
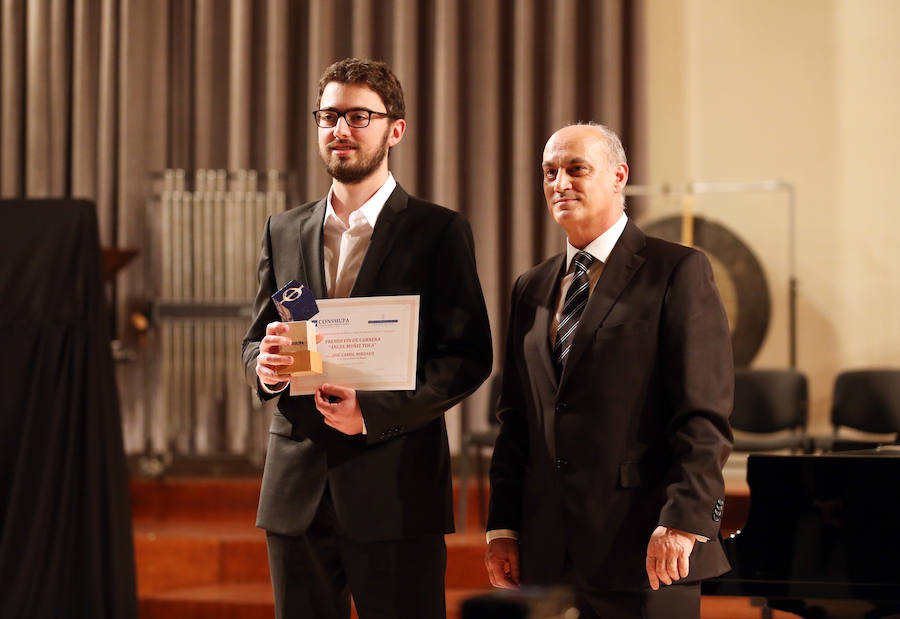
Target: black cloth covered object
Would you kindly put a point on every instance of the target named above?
(66, 546)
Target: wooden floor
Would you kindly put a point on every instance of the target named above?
(199, 555)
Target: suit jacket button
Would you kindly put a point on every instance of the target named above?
(561, 407)
(562, 465)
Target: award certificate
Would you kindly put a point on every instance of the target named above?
(370, 344)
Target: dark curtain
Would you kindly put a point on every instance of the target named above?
(65, 522)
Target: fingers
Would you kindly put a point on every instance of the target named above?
(669, 565)
(651, 573)
(344, 393)
(270, 376)
(322, 404)
(683, 565)
(497, 571)
(514, 571)
(267, 366)
(672, 567)
(502, 563)
(661, 572)
(500, 571)
(276, 328)
(272, 343)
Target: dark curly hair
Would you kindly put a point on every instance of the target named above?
(372, 73)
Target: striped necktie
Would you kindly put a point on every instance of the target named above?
(576, 299)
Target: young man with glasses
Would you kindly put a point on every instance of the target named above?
(356, 495)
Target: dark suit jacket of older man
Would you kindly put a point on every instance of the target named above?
(393, 482)
(635, 431)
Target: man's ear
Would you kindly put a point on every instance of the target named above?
(398, 128)
(621, 176)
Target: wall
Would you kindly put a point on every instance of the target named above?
(806, 91)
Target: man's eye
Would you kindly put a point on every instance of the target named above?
(549, 174)
(328, 117)
(577, 170)
(358, 117)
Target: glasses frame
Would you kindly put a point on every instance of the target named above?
(347, 120)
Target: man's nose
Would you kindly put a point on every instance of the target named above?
(341, 128)
(562, 182)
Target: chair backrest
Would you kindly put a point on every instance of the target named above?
(867, 400)
(769, 400)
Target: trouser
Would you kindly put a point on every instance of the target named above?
(314, 574)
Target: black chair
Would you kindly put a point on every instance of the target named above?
(769, 401)
(868, 401)
(470, 449)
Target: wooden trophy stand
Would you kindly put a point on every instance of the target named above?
(302, 349)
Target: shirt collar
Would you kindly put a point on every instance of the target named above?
(600, 247)
(371, 208)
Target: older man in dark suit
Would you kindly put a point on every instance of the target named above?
(617, 386)
(356, 495)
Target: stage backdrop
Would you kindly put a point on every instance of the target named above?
(97, 94)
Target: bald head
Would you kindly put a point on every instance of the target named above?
(584, 172)
(597, 136)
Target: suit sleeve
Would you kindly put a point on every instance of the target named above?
(455, 351)
(697, 363)
(511, 448)
(263, 313)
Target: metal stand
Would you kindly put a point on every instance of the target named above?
(691, 189)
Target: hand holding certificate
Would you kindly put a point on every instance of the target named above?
(369, 343)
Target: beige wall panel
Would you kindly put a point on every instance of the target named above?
(805, 91)
(868, 192)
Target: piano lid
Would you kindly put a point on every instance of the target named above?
(818, 526)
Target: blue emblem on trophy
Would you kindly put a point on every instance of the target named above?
(296, 304)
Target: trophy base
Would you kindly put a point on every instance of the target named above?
(306, 362)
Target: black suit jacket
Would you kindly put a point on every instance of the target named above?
(635, 431)
(393, 482)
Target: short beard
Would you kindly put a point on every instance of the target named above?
(352, 173)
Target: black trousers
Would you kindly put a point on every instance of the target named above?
(314, 575)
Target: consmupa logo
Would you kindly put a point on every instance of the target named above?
(331, 322)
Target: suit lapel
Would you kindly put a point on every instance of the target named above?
(623, 262)
(311, 250)
(383, 237)
(537, 341)
(541, 294)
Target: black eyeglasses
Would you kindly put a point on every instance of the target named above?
(357, 118)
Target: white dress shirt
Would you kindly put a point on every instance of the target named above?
(346, 246)
(600, 249)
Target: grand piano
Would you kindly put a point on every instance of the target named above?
(822, 537)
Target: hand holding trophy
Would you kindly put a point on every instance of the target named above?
(296, 304)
